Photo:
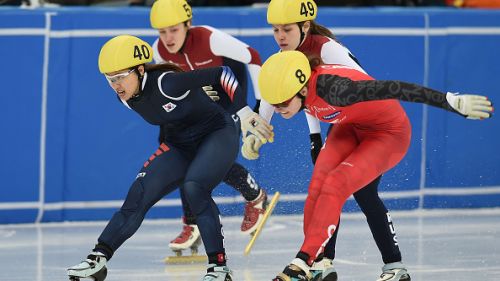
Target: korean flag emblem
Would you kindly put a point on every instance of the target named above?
(169, 107)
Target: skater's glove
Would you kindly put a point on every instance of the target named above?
(470, 106)
(250, 147)
(316, 144)
(255, 124)
(211, 93)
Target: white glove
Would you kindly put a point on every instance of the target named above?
(211, 93)
(250, 147)
(472, 106)
(255, 124)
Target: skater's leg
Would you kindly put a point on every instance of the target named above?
(329, 252)
(330, 157)
(217, 151)
(322, 268)
(151, 184)
(379, 221)
(190, 235)
(383, 232)
(373, 156)
(240, 179)
(188, 216)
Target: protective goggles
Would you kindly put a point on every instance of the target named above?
(117, 78)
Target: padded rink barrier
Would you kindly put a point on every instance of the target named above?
(69, 150)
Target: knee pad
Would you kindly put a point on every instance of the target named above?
(197, 195)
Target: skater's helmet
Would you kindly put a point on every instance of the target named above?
(283, 75)
(166, 13)
(291, 11)
(122, 52)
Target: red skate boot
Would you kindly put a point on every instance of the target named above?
(188, 238)
(254, 213)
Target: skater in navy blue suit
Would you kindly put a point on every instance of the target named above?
(198, 134)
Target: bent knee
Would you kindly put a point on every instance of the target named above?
(197, 196)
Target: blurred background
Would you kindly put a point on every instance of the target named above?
(69, 151)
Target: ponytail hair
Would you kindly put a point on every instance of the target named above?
(318, 29)
(314, 61)
(167, 66)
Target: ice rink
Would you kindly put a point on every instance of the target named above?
(458, 245)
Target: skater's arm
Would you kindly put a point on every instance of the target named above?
(343, 91)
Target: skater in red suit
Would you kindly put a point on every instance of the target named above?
(294, 28)
(371, 134)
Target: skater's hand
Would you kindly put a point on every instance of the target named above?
(470, 106)
(211, 93)
(256, 125)
(250, 147)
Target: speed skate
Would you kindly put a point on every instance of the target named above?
(179, 258)
(94, 268)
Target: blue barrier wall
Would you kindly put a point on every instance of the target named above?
(69, 151)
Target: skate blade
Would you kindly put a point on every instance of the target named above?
(185, 259)
(261, 225)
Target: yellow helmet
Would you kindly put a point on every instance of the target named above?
(283, 75)
(169, 12)
(291, 11)
(122, 52)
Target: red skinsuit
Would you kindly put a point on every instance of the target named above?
(368, 139)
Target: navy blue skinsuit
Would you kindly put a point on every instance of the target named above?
(201, 145)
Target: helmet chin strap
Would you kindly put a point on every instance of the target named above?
(302, 101)
(141, 77)
(302, 33)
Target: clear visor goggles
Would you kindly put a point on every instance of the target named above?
(117, 78)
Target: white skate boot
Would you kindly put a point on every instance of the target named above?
(324, 270)
(254, 213)
(395, 271)
(218, 273)
(93, 267)
(297, 270)
(188, 238)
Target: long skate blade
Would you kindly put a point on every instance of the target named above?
(185, 259)
(261, 225)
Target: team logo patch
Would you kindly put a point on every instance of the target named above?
(169, 107)
(331, 116)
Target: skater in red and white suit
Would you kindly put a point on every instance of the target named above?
(371, 134)
(299, 31)
(198, 47)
